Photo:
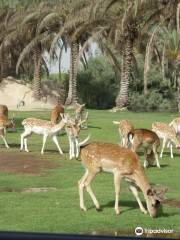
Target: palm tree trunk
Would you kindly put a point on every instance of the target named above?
(122, 98)
(178, 94)
(37, 74)
(72, 92)
(3, 65)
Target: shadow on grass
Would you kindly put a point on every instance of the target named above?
(133, 205)
(90, 126)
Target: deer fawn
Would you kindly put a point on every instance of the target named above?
(122, 163)
(125, 127)
(55, 113)
(42, 127)
(167, 133)
(148, 140)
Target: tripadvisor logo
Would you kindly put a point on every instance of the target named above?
(138, 231)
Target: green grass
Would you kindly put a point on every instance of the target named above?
(59, 211)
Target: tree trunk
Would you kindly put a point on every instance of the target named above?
(72, 92)
(3, 65)
(122, 98)
(37, 74)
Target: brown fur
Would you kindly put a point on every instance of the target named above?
(55, 113)
(148, 140)
(123, 163)
(3, 110)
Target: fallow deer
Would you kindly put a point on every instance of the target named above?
(167, 133)
(72, 129)
(148, 140)
(79, 114)
(4, 124)
(176, 125)
(122, 163)
(42, 127)
(125, 127)
(55, 113)
(3, 110)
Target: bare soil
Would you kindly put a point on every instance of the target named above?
(22, 163)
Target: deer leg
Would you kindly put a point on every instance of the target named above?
(164, 143)
(54, 138)
(77, 148)
(5, 142)
(23, 141)
(145, 160)
(117, 180)
(156, 155)
(85, 182)
(171, 148)
(135, 193)
(44, 142)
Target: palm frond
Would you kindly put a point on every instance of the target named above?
(48, 19)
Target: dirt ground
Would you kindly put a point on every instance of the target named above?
(22, 163)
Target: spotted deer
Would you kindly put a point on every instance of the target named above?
(122, 163)
(125, 127)
(42, 127)
(167, 134)
(73, 129)
(3, 110)
(148, 140)
(80, 115)
(55, 113)
(176, 125)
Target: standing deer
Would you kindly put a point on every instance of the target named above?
(3, 110)
(42, 127)
(176, 125)
(125, 127)
(167, 133)
(122, 163)
(55, 113)
(5, 123)
(72, 129)
(79, 114)
(148, 140)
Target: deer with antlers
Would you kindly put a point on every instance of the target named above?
(125, 127)
(167, 133)
(148, 140)
(72, 129)
(122, 163)
(5, 123)
(42, 127)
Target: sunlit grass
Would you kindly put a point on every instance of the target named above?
(59, 211)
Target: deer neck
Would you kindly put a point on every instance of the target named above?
(58, 126)
(142, 182)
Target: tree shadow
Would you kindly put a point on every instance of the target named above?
(90, 126)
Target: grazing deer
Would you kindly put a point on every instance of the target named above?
(125, 127)
(79, 114)
(176, 125)
(122, 163)
(55, 113)
(4, 124)
(148, 140)
(167, 133)
(42, 127)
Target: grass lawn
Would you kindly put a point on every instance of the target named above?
(58, 211)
